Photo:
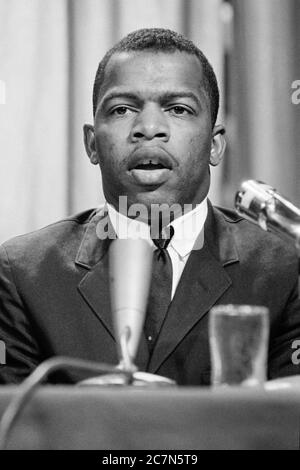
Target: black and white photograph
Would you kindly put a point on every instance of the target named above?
(150, 228)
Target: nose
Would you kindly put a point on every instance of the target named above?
(150, 123)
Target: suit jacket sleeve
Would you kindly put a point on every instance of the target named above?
(22, 351)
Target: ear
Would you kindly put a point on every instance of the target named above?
(218, 145)
(90, 143)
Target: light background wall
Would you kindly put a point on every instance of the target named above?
(49, 52)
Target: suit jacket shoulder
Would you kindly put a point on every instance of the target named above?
(34, 243)
(255, 246)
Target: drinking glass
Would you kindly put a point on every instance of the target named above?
(238, 337)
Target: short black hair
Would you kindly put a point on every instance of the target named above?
(161, 40)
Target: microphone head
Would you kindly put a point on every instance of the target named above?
(251, 200)
(130, 269)
(263, 205)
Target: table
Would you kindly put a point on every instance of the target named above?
(128, 418)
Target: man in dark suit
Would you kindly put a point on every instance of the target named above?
(154, 136)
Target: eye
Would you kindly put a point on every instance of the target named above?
(120, 110)
(180, 110)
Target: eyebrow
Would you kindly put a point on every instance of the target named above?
(163, 96)
(169, 96)
(115, 94)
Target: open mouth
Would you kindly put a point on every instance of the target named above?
(150, 166)
(150, 159)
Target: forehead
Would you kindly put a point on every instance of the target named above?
(145, 71)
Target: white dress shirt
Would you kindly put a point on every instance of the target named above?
(187, 229)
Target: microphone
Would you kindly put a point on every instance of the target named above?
(130, 267)
(261, 204)
(130, 272)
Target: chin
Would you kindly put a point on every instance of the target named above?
(153, 197)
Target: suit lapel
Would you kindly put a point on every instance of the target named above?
(202, 283)
(94, 286)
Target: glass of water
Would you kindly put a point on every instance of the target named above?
(238, 337)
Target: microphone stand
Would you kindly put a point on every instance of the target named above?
(126, 372)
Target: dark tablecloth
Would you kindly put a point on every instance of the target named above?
(175, 418)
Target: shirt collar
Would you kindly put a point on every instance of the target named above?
(126, 227)
(186, 228)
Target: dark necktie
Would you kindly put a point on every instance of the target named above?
(160, 290)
